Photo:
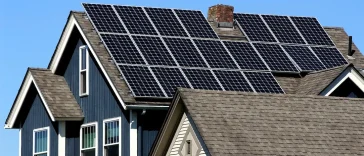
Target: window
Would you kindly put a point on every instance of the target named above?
(88, 141)
(188, 147)
(41, 142)
(112, 137)
(83, 70)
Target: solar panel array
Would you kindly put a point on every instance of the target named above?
(159, 49)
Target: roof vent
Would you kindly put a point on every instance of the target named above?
(350, 51)
(221, 14)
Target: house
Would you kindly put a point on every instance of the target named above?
(112, 77)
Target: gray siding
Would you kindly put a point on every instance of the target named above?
(38, 118)
(100, 104)
(148, 127)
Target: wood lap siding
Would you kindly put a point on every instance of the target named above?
(100, 104)
(38, 117)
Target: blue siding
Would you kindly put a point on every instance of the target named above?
(100, 104)
(38, 118)
(148, 127)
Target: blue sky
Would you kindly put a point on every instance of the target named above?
(30, 30)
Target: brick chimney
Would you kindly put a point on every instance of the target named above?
(222, 15)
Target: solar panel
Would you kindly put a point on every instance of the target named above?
(170, 79)
(245, 55)
(233, 80)
(304, 58)
(185, 52)
(330, 57)
(215, 54)
(135, 20)
(195, 23)
(254, 27)
(122, 49)
(104, 18)
(283, 29)
(141, 81)
(263, 82)
(154, 51)
(202, 79)
(312, 30)
(166, 22)
(275, 57)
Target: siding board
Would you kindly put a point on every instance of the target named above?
(100, 104)
(38, 117)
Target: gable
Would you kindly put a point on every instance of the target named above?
(351, 74)
(185, 133)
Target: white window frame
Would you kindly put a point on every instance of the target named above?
(103, 134)
(86, 70)
(48, 140)
(96, 137)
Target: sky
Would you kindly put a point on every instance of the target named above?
(30, 30)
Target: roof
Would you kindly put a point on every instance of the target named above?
(56, 94)
(341, 40)
(314, 83)
(237, 123)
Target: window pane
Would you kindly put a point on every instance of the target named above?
(111, 132)
(90, 152)
(88, 137)
(83, 82)
(112, 150)
(40, 141)
(45, 154)
(83, 58)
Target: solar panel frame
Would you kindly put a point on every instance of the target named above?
(254, 27)
(245, 54)
(202, 79)
(170, 78)
(275, 57)
(135, 20)
(141, 81)
(215, 54)
(154, 51)
(99, 12)
(233, 80)
(116, 44)
(283, 29)
(304, 58)
(330, 56)
(263, 82)
(166, 22)
(312, 33)
(196, 24)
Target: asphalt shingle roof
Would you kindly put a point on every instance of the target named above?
(56, 93)
(237, 123)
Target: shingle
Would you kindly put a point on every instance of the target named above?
(237, 123)
(56, 93)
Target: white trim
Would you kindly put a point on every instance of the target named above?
(61, 138)
(86, 70)
(48, 140)
(20, 99)
(103, 134)
(20, 141)
(349, 73)
(133, 133)
(96, 137)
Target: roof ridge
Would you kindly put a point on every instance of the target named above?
(182, 90)
(37, 68)
(328, 69)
